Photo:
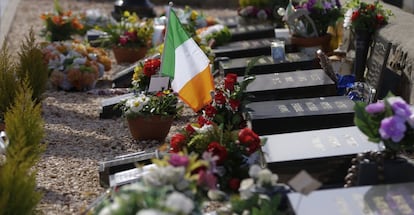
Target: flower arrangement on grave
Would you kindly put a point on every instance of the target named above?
(367, 16)
(75, 66)
(130, 38)
(390, 122)
(233, 151)
(176, 185)
(61, 25)
(146, 109)
(315, 17)
(253, 11)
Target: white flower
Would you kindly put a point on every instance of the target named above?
(347, 18)
(136, 104)
(246, 187)
(110, 209)
(179, 202)
(265, 177)
(254, 170)
(204, 129)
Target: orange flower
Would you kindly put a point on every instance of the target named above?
(76, 24)
(57, 20)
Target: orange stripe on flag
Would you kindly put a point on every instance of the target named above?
(204, 84)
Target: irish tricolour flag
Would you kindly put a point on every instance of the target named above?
(187, 65)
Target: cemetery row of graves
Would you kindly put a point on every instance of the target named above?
(283, 132)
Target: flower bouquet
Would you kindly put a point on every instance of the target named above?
(174, 185)
(130, 38)
(390, 122)
(367, 16)
(60, 24)
(75, 66)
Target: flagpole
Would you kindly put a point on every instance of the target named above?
(170, 5)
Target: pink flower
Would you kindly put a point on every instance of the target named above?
(178, 160)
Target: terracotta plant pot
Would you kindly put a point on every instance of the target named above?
(150, 127)
(129, 55)
(323, 42)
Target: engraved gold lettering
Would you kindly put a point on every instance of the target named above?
(311, 106)
(302, 78)
(297, 107)
(289, 79)
(402, 205)
(326, 105)
(381, 205)
(341, 105)
(250, 27)
(283, 108)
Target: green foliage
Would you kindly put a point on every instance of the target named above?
(8, 81)
(366, 123)
(33, 66)
(18, 193)
(256, 205)
(220, 37)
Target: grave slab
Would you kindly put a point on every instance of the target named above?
(379, 199)
(251, 32)
(325, 154)
(291, 85)
(293, 115)
(108, 110)
(265, 64)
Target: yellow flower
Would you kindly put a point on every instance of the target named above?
(194, 15)
(166, 92)
(126, 14)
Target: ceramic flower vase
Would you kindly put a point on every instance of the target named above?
(129, 55)
(150, 127)
(362, 44)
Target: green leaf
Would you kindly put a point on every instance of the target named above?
(366, 123)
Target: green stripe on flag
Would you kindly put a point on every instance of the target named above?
(176, 35)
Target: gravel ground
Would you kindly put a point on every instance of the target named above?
(77, 139)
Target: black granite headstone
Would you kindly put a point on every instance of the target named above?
(123, 163)
(294, 61)
(251, 32)
(108, 106)
(325, 154)
(247, 48)
(379, 199)
(291, 85)
(275, 117)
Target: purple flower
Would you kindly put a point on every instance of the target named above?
(374, 108)
(392, 127)
(178, 160)
(400, 107)
(327, 5)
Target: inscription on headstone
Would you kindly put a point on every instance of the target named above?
(247, 48)
(362, 200)
(251, 32)
(265, 65)
(282, 116)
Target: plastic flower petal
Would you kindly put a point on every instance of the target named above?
(374, 108)
(392, 127)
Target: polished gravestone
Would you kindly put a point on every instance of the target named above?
(379, 199)
(266, 64)
(325, 154)
(108, 106)
(246, 48)
(292, 115)
(290, 85)
(251, 32)
(123, 163)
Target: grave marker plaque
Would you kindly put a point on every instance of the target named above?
(246, 48)
(325, 154)
(123, 163)
(290, 85)
(108, 110)
(265, 64)
(275, 117)
(230, 22)
(252, 32)
(379, 199)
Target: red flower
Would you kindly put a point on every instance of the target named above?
(380, 18)
(219, 98)
(159, 94)
(201, 121)
(207, 179)
(177, 142)
(190, 130)
(229, 81)
(250, 139)
(234, 104)
(371, 7)
(123, 40)
(151, 67)
(218, 150)
(355, 15)
(131, 35)
(210, 110)
(234, 184)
